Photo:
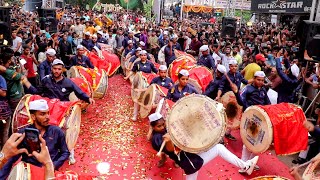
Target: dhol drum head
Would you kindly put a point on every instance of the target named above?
(74, 72)
(161, 56)
(256, 129)
(18, 172)
(269, 177)
(21, 114)
(196, 123)
(102, 86)
(72, 126)
(138, 83)
(233, 110)
(150, 97)
(309, 173)
(26, 171)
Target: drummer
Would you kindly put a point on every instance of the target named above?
(129, 48)
(191, 163)
(255, 93)
(162, 79)
(206, 59)
(80, 59)
(57, 86)
(182, 88)
(45, 66)
(212, 89)
(53, 135)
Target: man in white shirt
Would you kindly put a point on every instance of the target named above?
(79, 28)
(16, 43)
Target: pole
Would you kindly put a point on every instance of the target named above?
(181, 10)
(127, 5)
(313, 8)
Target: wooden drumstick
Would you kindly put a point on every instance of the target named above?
(304, 164)
(231, 83)
(161, 148)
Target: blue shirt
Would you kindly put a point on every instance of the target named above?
(169, 55)
(57, 146)
(236, 78)
(5, 111)
(60, 90)
(127, 50)
(44, 69)
(206, 60)
(164, 82)
(174, 94)
(125, 42)
(87, 43)
(213, 87)
(84, 61)
(252, 95)
(288, 85)
(102, 40)
(146, 67)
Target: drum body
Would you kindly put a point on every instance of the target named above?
(196, 123)
(113, 59)
(26, 171)
(66, 115)
(270, 177)
(100, 62)
(309, 173)
(151, 98)
(164, 107)
(138, 83)
(177, 65)
(85, 87)
(200, 77)
(233, 110)
(161, 56)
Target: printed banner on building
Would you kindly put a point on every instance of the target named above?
(281, 6)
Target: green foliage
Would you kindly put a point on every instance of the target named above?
(246, 14)
(147, 9)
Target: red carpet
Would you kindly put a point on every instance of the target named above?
(108, 135)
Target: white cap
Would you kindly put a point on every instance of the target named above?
(170, 27)
(94, 36)
(138, 49)
(221, 68)
(87, 33)
(98, 28)
(51, 52)
(295, 70)
(163, 67)
(39, 105)
(100, 32)
(96, 48)
(184, 72)
(259, 74)
(204, 48)
(165, 32)
(154, 117)
(80, 46)
(142, 43)
(233, 61)
(57, 62)
(143, 52)
(130, 42)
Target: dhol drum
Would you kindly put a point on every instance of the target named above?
(309, 173)
(85, 87)
(161, 56)
(123, 60)
(200, 77)
(138, 84)
(149, 76)
(269, 177)
(184, 55)
(196, 123)
(65, 114)
(100, 63)
(233, 110)
(281, 124)
(26, 171)
(97, 78)
(151, 98)
(177, 65)
(113, 59)
(164, 107)
(106, 47)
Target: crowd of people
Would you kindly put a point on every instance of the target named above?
(261, 57)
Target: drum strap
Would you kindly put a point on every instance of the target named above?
(189, 160)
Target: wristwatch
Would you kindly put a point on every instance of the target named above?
(1, 156)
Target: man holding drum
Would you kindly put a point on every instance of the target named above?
(206, 59)
(212, 88)
(80, 59)
(182, 88)
(58, 86)
(162, 79)
(191, 163)
(53, 135)
(254, 94)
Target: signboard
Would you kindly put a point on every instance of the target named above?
(239, 4)
(281, 6)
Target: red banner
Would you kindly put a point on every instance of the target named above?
(92, 76)
(99, 63)
(289, 134)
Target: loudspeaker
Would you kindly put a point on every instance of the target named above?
(228, 27)
(308, 39)
(48, 18)
(5, 24)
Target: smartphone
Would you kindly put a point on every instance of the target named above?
(31, 140)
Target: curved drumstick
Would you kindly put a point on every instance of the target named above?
(232, 85)
(161, 148)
